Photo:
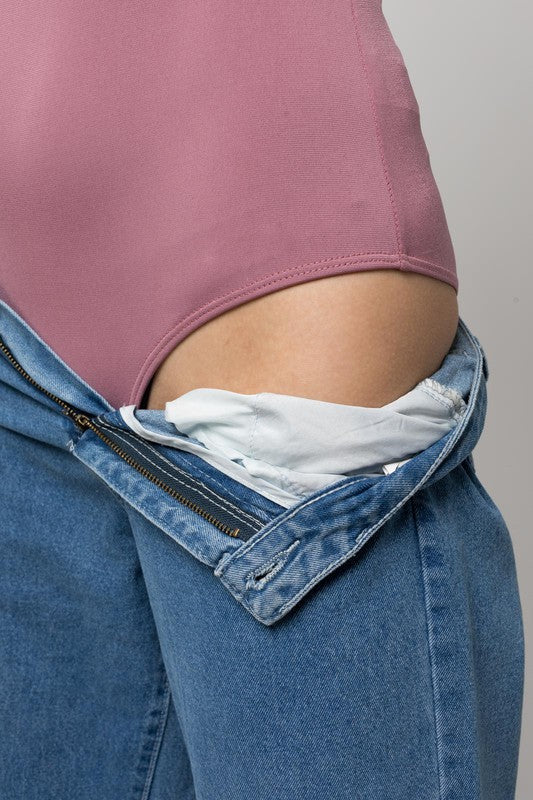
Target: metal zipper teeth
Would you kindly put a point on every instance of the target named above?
(83, 421)
(11, 358)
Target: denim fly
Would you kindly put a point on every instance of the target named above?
(365, 643)
(268, 557)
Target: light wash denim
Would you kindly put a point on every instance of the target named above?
(168, 633)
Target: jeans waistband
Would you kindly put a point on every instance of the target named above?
(284, 552)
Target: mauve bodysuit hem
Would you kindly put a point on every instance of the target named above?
(160, 167)
(289, 277)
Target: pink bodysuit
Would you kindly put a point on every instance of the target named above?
(163, 162)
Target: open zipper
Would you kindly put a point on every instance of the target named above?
(249, 526)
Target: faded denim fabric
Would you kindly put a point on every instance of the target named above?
(364, 644)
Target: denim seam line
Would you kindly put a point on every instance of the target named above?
(448, 393)
(198, 469)
(188, 475)
(222, 505)
(430, 633)
(360, 541)
(178, 470)
(364, 535)
(155, 722)
(457, 431)
(157, 744)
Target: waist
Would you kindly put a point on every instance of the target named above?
(361, 339)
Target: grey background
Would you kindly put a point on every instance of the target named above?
(470, 65)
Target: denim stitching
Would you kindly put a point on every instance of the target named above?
(198, 469)
(431, 649)
(448, 404)
(433, 467)
(361, 541)
(157, 744)
(178, 470)
(448, 392)
(224, 508)
(365, 535)
(272, 567)
(438, 398)
(183, 472)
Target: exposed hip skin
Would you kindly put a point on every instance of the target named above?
(362, 339)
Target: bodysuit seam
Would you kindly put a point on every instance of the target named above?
(245, 290)
(377, 130)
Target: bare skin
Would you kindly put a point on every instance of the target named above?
(361, 339)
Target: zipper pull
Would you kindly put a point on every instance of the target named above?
(81, 420)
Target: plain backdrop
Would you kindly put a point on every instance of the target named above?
(471, 67)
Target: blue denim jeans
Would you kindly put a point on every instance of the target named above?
(168, 632)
